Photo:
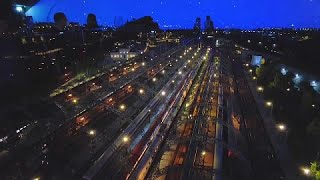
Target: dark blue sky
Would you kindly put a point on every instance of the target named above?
(225, 13)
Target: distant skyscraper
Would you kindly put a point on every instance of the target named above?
(197, 26)
(208, 25)
(118, 21)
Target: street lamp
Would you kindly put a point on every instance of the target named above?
(254, 78)
(92, 132)
(281, 127)
(269, 103)
(122, 107)
(260, 88)
(125, 139)
(141, 91)
(143, 64)
(75, 101)
(69, 95)
(306, 171)
(203, 153)
(250, 70)
(163, 93)
(154, 79)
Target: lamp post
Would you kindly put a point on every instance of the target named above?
(92, 133)
(282, 128)
(270, 104)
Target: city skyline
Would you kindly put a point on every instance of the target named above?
(244, 14)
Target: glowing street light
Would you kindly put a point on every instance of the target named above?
(260, 88)
(125, 139)
(288, 89)
(247, 65)
(141, 91)
(203, 153)
(163, 93)
(172, 81)
(163, 71)
(75, 101)
(143, 64)
(92, 132)
(250, 70)
(69, 95)
(254, 78)
(180, 72)
(122, 107)
(269, 103)
(306, 171)
(281, 127)
(154, 79)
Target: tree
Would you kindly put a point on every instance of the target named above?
(315, 170)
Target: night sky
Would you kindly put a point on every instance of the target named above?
(244, 14)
